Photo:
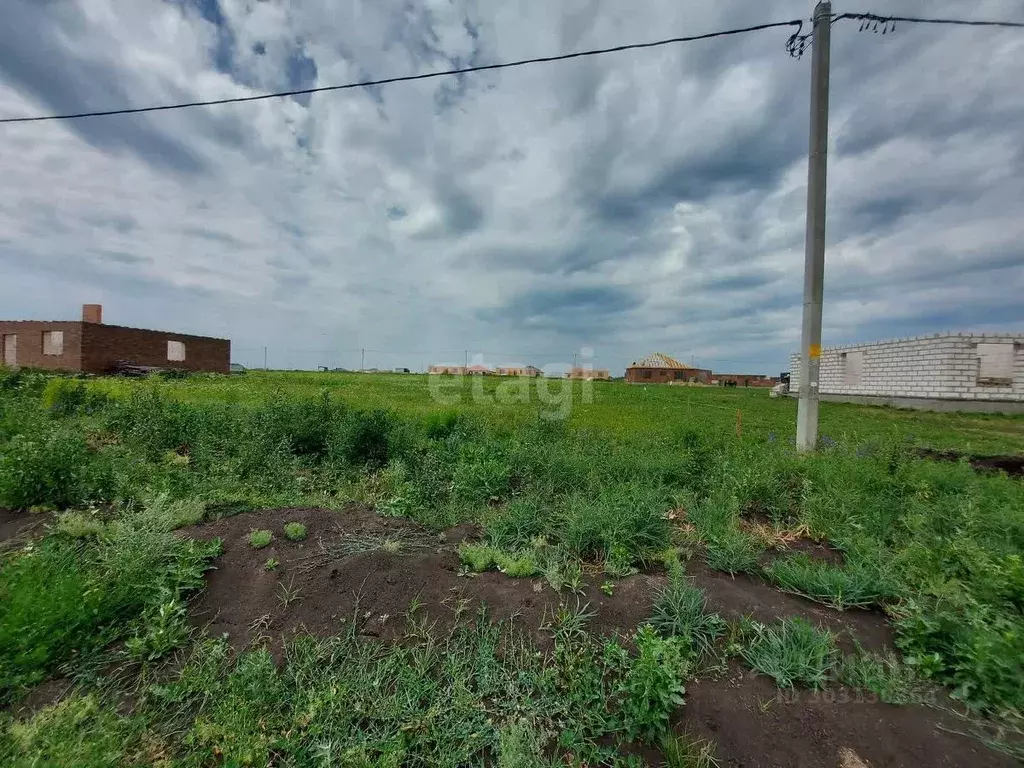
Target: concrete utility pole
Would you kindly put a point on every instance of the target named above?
(362, 359)
(814, 253)
(264, 358)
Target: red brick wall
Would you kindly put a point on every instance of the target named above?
(745, 380)
(30, 344)
(665, 375)
(104, 345)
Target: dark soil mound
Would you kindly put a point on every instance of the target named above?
(1011, 465)
(742, 595)
(356, 565)
(755, 724)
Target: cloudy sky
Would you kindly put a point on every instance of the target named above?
(641, 201)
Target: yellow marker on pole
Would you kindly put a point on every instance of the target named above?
(814, 351)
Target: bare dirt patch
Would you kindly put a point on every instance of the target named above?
(754, 724)
(344, 572)
(358, 566)
(18, 527)
(1011, 465)
(742, 595)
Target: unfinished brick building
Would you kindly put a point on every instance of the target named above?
(90, 346)
(659, 368)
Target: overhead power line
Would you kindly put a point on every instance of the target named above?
(795, 45)
(409, 78)
(878, 18)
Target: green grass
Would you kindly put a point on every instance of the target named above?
(733, 552)
(450, 699)
(66, 598)
(260, 539)
(480, 557)
(855, 585)
(295, 531)
(885, 675)
(792, 652)
(680, 609)
(617, 408)
(633, 473)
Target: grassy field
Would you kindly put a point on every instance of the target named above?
(632, 479)
(622, 410)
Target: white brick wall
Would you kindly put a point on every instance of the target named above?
(943, 366)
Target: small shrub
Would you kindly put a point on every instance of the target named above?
(79, 525)
(619, 562)
(479, 478)
(651, 687)
(52, 468)
(792, 651)
(852, 586)
(260, 539)
(478, 557)
(884, 675)
(271, 564)
(364, 439)
(443, 424)
(63, 397)
(688, 752)
(680, 609)
(295, 531)
(520, 746)
(733, 552)
(517, 525)
(163, 629)
(79, 731)
(521, 566)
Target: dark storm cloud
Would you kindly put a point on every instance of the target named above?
(36, 60)
(121, 257)
(564, 310)
(207, 234)
(650, 199)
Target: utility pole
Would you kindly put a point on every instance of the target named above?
(264, 358)
(814, 244)
(362, 359)
(467, 358)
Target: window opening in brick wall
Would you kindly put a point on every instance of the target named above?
(53, 342)
(995, 364)
(680, 376)
(176, 351)
(852, 364)
(11, 349)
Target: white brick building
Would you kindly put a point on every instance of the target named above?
(955, 367)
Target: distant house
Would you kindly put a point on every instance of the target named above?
(659, 368)
(518, 370)
(745, 380)
(451, 370)
(90, 346)
(479, 370)
(589, 374)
